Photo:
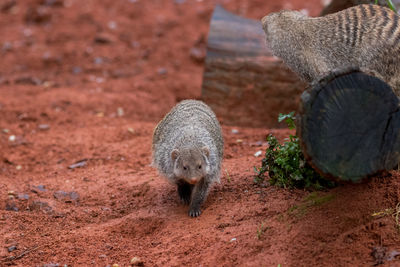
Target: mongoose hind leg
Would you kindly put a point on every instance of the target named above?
(199, 194)
(185, 192)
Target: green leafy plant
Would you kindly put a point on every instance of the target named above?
(286, 165)
(390, 4)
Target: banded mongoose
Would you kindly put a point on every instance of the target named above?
(188, 150)
(364, 36)
(338, 5)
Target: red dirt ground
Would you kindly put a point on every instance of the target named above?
(89, 80)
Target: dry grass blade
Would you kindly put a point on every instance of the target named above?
(396, 216)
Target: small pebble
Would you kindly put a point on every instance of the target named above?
(36, 189)
(99, 79)
(51, 265)
(12, 248)
(27, 32)
(18, 167)
(131, 130)
(98, 60)
(89, 50)
(67, 197)
(135, 44)
(41, 188)
(258, 143)
(43, 127)
(162, 71)
(7, 46)
(103, 38)
(120, 112)
(23, 196)
(79, 164)
(76, 70)
(233, 239)
(197, 55)
(258, 153)
(42, 206)
(11, 194)
(235, 131)
(112, 25)
(48, 84)
(6, 130)
(11, 206)
(11, 138)
(59, 3)
(115, 265)
(136, 261)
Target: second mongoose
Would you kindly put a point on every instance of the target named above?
(337, 5)
(363, 36)
(188, 150)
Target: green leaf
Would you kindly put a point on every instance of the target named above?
(286, 165)
(390, 4)
(289, 119)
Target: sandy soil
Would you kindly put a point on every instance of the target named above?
(86, 82)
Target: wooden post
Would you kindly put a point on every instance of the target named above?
(243, 83)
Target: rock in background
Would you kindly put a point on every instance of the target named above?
(243, 82)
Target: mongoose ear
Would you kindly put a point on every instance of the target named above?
(264, 23)
(174, 154)
(206, 151)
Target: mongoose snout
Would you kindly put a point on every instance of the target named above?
(191, 164)
(188, 150)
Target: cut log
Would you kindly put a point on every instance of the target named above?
(243, 83)
(349, 125)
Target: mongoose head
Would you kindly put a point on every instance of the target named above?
(277, 25)
(191, 164)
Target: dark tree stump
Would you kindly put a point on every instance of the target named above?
(243, 82)
(349, 126)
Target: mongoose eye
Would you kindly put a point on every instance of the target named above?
(185, 168)
(199, 167)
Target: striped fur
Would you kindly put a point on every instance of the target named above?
(364, 36)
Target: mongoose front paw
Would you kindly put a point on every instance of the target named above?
(194, 212)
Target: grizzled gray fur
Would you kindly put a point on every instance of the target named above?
(364, 36)
(188, 150)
